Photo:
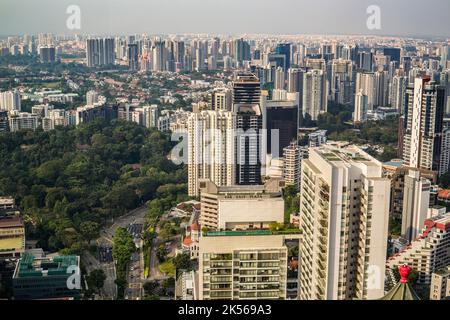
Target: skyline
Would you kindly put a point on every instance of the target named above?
(252, 17)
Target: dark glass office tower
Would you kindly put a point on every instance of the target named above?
(394, 53)
(281, 116)
(249, 125)
(285, 49)
(133, 57)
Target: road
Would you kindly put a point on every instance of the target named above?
(109, 288)
(154, 273)
(106, 263)
(135, 270)
(136, 216)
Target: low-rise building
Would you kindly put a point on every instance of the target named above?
(46, 277)
(429, 252)
(12, 236)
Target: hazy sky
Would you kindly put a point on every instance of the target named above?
(398, 17)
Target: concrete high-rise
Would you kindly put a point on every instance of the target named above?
(416, 200)
(424, 111)
(361, 107)
(342, 81)
(100, 52)
(295, 80)
(314, 93)
(291, 168)
(366, 84)
(10, 100)
(211, 149)
(344, 215)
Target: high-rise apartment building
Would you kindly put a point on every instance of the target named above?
(314, 93)
(4, 121)
(47, 54)
(150, 116)
(243, 265)
(445, 56)
(211, 149)
(344, 214)
(398, 90)
(91, 97)
(291, 169)
(361, 107)
(416, 200)
(221, 99)
(279, 79)
(10, 100)
(23, 121)
(424, 111)
(342, 83)
(295, 80)
(366, 84)
(100, 52)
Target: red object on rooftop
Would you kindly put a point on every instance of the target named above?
(195, 227)
(404, 273)
(187, 241)
(444, 194)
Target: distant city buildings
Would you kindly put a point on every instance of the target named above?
(100, 52)
(10, 101)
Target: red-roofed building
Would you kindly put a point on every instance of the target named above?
(429, 252)
(191, 240)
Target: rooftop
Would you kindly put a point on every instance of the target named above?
(13, 222)
(29, 266)
(258, 232)
(346, 154)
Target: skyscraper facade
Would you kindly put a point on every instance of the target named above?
(210, 149)
(344, 215)
(425, 103)
(314, 93)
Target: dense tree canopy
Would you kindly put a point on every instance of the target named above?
(68, 181)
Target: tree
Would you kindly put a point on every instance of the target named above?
(150, 287)
(96, 279)
(182, 262)
(444, 180)
(161, 253)
(90, 230)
